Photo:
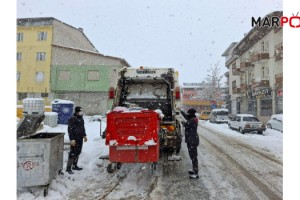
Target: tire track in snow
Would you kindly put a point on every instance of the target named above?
(237, 142)
(222, 154)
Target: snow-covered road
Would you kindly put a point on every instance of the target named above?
(235, 166)
(232, 166)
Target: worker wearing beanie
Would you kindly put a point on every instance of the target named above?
(192, 139)
(77, 135)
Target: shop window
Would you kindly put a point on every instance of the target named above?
(266, 107)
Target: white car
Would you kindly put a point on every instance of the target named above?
(219, 115)
(276, 122)
(246, 123)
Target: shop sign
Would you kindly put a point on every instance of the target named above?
(264, 92)
(279, 93)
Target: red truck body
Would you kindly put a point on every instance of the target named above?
(133, 136)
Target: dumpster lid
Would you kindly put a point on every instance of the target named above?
(29, 125)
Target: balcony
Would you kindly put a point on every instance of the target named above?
(235, 71)
(257, 56)
(244, 65)
(262, 83)
(236, 90)
(278, 51)
(243, 87)
(278, 79)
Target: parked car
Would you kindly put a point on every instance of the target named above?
(246, 123)
(276, 122)
(219, 115)
(204, 115)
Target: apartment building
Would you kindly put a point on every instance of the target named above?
(256, 72)
(56, 60)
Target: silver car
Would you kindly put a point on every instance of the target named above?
(276, 122)
(246, 123)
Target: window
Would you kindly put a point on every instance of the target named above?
(265, 72)
(39, 76)
(265, 46)
(19, 56)
(44, 94)
(64, 75)
(42, 36)
(19, 37)
(41, 56)
(234, 84)
(93, 75)
(22, 95)
(18, 76)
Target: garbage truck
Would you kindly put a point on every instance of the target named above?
(151, 89)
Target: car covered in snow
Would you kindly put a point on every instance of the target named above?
(276, 122)
(219, 115)
(246, 123)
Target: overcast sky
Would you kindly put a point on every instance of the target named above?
(189, 36)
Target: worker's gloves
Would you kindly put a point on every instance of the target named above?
(85, 139)
(73, 142)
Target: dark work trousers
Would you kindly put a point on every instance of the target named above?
(193, 155)
(75, 151)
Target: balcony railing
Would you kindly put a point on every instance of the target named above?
(235, 71)
(278, 51)
(279, 78)
(236, 90)
(257, 56)
(262, 83)
(244, 65)
(243, 87)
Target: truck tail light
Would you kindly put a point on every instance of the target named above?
(177, 93)
(170, 128)
(111, 93)
(247, 126)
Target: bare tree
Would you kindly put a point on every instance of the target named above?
(213, 80)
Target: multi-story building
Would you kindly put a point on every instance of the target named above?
(56, 60)
(255, 72)
(195, 95)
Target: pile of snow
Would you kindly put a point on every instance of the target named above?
(62, 185)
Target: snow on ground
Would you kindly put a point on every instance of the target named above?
(95, 169)
(61, 186)
(271, 140)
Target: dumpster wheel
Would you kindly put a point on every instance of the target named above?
(112, 167)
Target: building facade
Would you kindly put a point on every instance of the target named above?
(57, 61)
(194, 95)
(256, 72)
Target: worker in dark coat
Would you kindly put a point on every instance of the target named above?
(77, 135)
(192, 139)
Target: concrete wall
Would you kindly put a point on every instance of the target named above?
(93, 103)
(66, 35)
(69, 57)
